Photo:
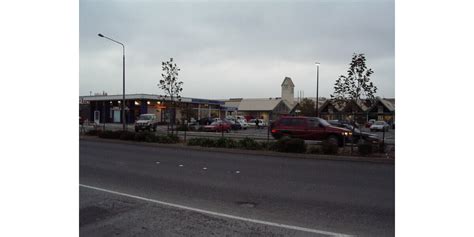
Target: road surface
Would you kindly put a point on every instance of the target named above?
(136, 190)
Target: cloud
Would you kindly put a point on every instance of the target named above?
(239, 49)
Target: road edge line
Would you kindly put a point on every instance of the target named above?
(304, 229)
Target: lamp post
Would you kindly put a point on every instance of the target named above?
(123, 65)
(317, 90)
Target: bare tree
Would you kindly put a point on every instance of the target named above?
(172, 88)
(356, 86)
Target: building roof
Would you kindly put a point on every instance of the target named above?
(287, 81)
(388, 103)
(259, 104)
(145, 97)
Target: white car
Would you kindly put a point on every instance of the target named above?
(379, 126)
(261, 123)
(243, 123)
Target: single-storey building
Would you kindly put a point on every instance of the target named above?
(107, 108)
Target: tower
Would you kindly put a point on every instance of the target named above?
(287, 90)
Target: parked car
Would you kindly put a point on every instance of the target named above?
(309, 128)
(243, 123)
(233, 124)
(357, 134)
(369, 123)
(379, 126)
(261, 123)
(217, 126)
(146, 122)
(205, 121)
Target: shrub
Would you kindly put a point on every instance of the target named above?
(206, 142)
(294, 145)
(126, 135)
(364, 148)
(145, 137)
(329, 147)
(314, 150)
(110, 134)
(173, 138)
(92, 132)
(249, 144)
(195, 141)
(167, 139)
(225, 142)
(268, 145)
(139, 137)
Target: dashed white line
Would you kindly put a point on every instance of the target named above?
(237, 172)
(180, 165)
(157, 162)
(291, 227)
(204, 168)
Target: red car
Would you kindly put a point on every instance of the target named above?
(218, 126)
(309, 128)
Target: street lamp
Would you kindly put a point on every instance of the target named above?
(123, 97)
(317, 90)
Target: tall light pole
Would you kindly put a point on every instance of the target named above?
(317, 90)
(123, 65)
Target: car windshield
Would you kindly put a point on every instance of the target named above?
(324, 122)
(379, 123)
(145, 117)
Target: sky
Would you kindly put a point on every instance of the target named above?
(234, 49)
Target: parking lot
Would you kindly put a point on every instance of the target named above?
(258, 134)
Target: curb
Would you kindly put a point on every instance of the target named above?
(246, 152)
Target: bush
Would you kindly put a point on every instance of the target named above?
(329, 148)
(110, 134)
(145, 137)
(249, 144)
(365, 149)
(126, 135)
(167, 139)
(268, 145)
(93, 132)
(314, 150)
(206, 142)
(139, 137)
(195, 141)
(293, 145)
(225, 142)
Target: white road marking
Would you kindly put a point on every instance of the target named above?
(180, 165)
(205, 168)
(291, 227)
(237, 172)
(157, 162)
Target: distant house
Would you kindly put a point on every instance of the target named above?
(267, 108)
(362, 111)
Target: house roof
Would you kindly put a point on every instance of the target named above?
(259, 104)
(388, 103)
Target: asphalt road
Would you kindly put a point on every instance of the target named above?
(326, 197)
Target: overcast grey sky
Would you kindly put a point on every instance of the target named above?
(228, 49)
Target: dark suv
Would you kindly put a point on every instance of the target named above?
(308, 128)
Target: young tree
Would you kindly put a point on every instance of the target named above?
(356, 86)
(172, 87)
(307, 107)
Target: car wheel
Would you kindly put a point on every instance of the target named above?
(137, 130)
(154, 129)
